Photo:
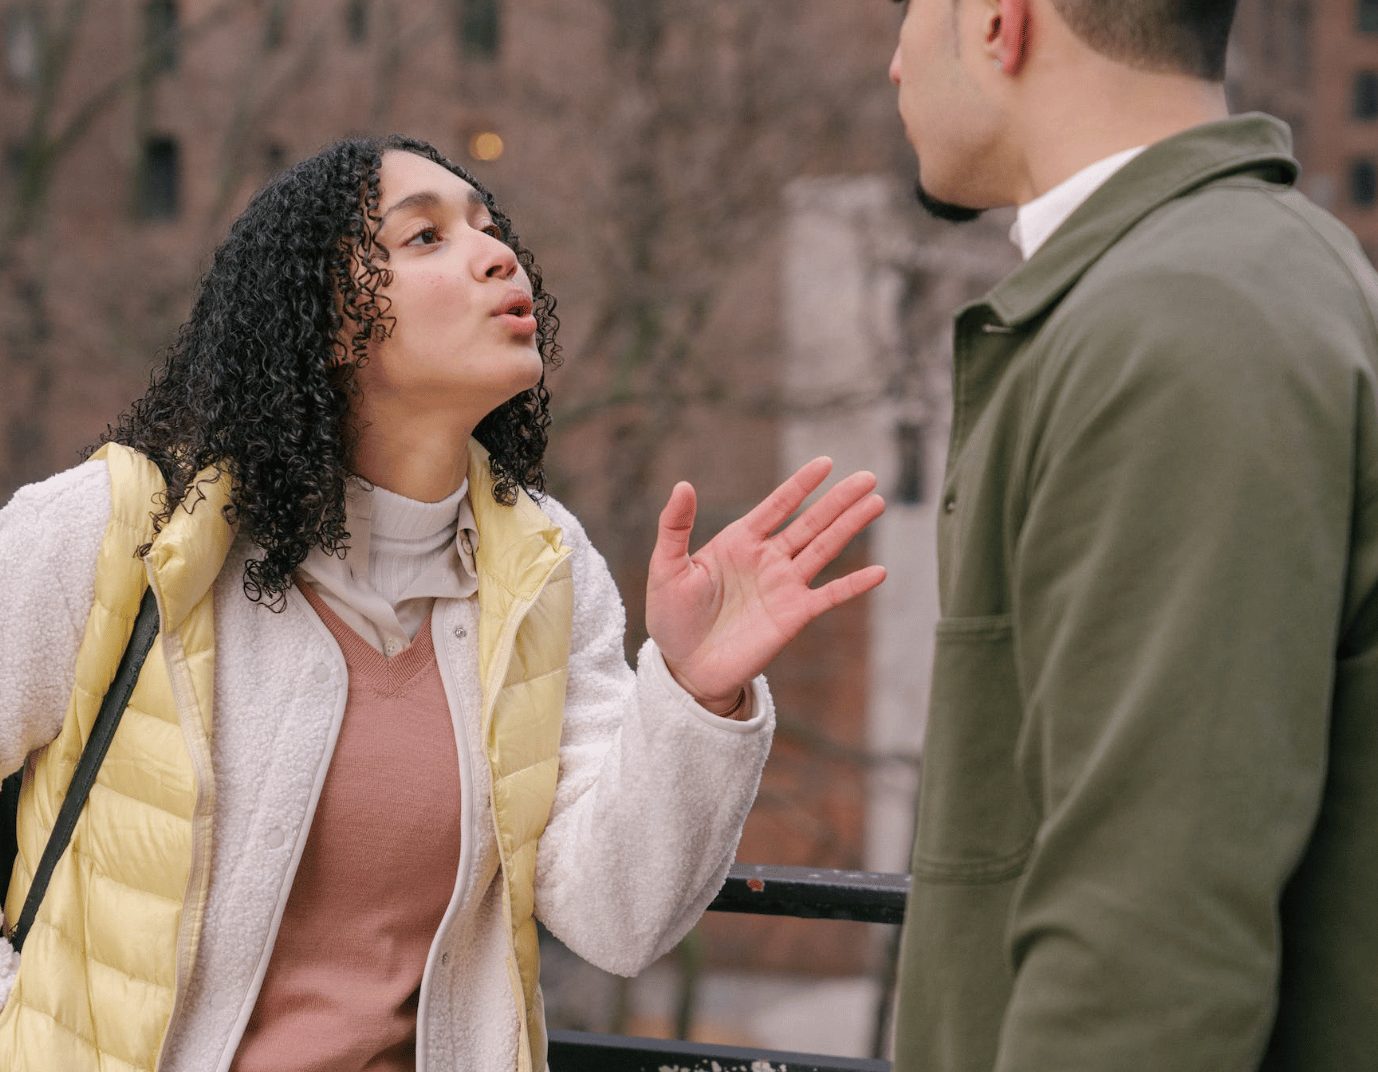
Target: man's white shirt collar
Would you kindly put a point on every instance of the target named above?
(1041, 217)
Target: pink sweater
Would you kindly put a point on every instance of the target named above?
(378, 870)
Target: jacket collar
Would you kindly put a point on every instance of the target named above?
(518, 548)
(1252, 143)
(185, 557)
(518, 544)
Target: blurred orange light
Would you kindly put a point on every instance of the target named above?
(485, 145)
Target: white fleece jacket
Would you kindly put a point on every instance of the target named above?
(652, 793)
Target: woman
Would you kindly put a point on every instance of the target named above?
(387, 723)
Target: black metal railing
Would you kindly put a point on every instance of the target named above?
(807, 893)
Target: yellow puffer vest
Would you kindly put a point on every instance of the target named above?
(526, 611)
(115, 937)
(112, 945)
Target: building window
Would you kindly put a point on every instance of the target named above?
(16, 159)
(1270, 34)
(160, 179)
(909, 487)
(480, 28)
(21, 48)
(1363, 182)
(275, 24)
(1368, 16)
(356, 21)
(160, 34)
(1366, 95)
(274, 157)
(1299, 39)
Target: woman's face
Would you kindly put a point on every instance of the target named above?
(464, 337)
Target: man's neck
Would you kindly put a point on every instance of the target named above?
(1068, 132)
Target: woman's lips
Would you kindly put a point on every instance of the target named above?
(517, 313)
(522, 326)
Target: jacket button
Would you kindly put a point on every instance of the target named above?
(274, 839)
(444, 958)
(950, 504)
(461, 632)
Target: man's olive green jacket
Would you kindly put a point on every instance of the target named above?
(1148, 829)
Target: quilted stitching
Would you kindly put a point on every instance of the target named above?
(129, 918)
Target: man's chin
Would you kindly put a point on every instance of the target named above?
(949, 211)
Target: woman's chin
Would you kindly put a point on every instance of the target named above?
(533, 367)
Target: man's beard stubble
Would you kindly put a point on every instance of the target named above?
(948, 211)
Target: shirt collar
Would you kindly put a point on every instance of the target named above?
(1256, 144)
(400, 517)
(402, 520)
(1043, 215)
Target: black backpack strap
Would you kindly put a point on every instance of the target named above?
(9, 818)
(92, 755)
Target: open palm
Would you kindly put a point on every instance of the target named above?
(721, 615)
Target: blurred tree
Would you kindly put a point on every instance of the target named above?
(648, 147)
(66, 104)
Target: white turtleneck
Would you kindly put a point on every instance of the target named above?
(403, 554)
(1041, 217)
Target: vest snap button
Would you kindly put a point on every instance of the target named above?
(274, 839)
(949, 504)
(444, 958)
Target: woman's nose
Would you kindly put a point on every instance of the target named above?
(499, 262)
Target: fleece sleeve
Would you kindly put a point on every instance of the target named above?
(652, 794)
(49, 537)
(1178, 580)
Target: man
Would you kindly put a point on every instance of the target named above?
(1148, 832)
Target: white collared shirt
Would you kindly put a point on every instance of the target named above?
(1041, 217)
(403, 554)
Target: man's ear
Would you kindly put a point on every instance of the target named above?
(1007, 34)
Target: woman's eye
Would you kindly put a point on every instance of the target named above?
(493, 230)
(425, 237)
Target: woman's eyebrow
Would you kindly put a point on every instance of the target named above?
(431, 200)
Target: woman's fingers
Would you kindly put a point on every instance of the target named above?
(676, 526)
(835, 593)
(841, 529)
(816, 519)
(775, 508)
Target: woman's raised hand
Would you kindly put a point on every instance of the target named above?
(721, 615)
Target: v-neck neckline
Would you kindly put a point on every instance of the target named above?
(367, 665)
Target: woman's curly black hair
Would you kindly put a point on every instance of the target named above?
(259, 380)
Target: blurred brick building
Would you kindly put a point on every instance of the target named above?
(1314, 63)
(643, 149)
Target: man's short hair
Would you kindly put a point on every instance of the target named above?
(1179, 36)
